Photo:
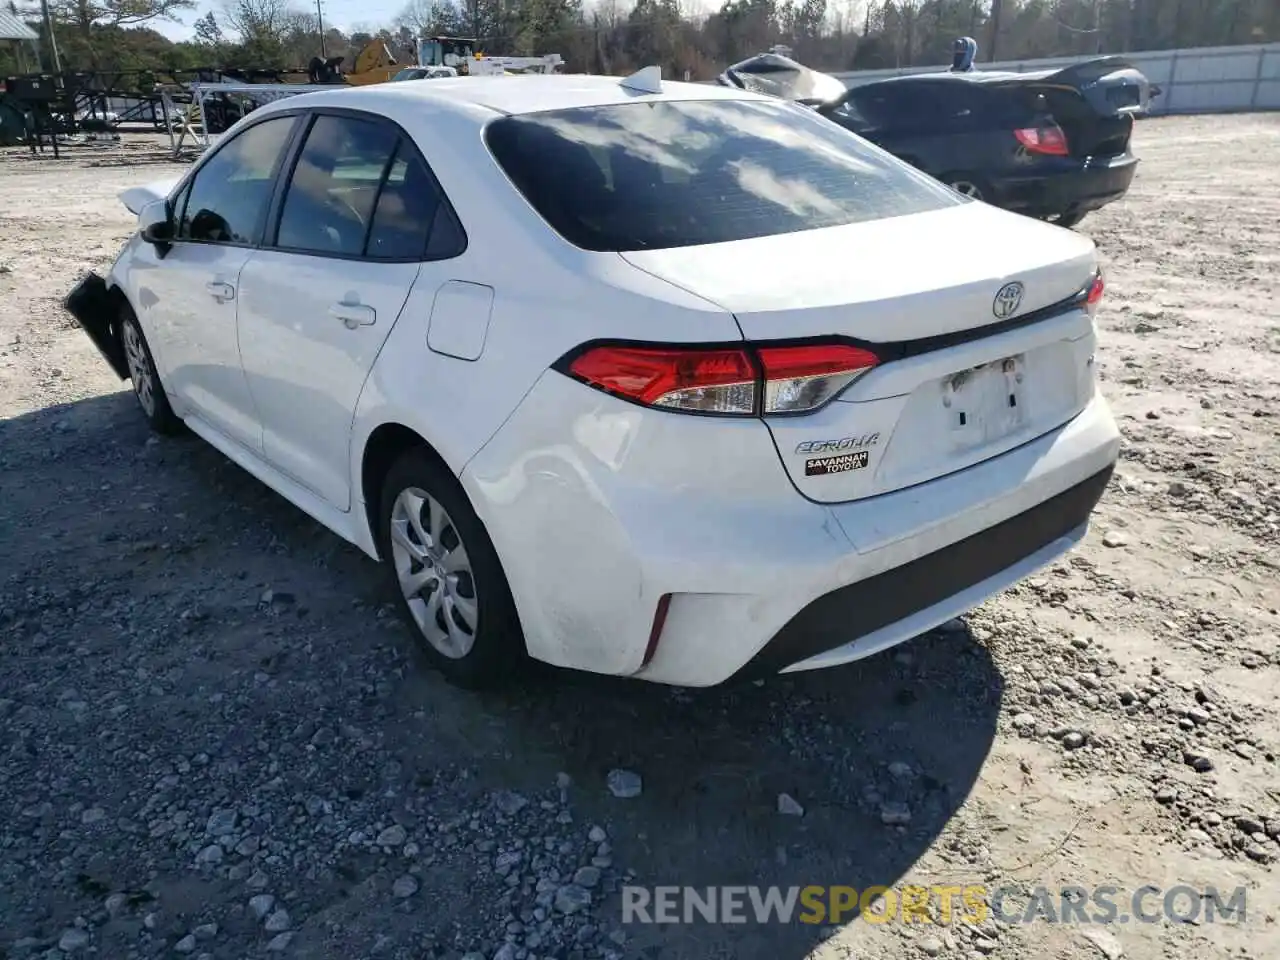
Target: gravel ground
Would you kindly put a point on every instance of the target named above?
(216, 742)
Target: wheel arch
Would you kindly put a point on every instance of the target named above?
(384, 446)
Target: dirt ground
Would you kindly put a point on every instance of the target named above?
(215, 741)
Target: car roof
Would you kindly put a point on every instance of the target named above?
(993, 77)
(508, 95)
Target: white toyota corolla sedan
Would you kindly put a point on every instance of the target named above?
(651, 379)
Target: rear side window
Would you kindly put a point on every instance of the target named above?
(406, 210)
(656, 175)
(334, 187)
(359, 189)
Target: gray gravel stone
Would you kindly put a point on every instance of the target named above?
(278, 921)
(509, 802)
(624, 784)
(210, 855)
(405, 886)
(221, 823)
(894, 814)
(73, 939)
(261, 904)
(788, 806)
(572, 898)
(280, 942)
(393, 836)
(1105, 942)
(1197, 761)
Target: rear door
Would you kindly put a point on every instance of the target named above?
(936, 125)
(355, 226)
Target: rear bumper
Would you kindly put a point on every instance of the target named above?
(865, 617)
(919, 557)
(1077, 187)
(97, 311)
(598, 512)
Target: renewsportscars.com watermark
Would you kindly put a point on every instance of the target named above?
(942, 905)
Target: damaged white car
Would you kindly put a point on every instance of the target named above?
(662, 380)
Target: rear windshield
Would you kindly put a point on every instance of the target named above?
(654, 175)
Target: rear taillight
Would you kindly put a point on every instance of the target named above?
(1050, 140)
(701, 381)
(1093, 297)
(803, 378)
(749, 380)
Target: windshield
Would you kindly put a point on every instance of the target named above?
(653, 175)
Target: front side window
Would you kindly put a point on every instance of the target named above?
(655, 175)
(228, 196)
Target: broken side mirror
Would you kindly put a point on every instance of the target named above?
(156, 226)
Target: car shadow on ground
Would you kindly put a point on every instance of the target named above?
(903, 735)
(900, 737)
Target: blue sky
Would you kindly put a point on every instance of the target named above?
(343, 14)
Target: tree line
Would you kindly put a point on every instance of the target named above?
(618, 36)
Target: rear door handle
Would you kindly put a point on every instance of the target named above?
(221, 290)
(353, 315)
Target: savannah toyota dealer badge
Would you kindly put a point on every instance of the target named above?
(840, 463)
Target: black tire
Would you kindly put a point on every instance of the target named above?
(497, 646)
(147, 388)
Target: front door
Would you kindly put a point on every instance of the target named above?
(190, 297)
(319, 300)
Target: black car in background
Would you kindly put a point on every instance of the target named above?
(1051, 144)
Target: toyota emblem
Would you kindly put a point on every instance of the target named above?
(1008, 300)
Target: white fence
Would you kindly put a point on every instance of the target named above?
(1200, 80)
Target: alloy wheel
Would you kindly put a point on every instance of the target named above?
(968, 188)
(434, 572)
(139, 368)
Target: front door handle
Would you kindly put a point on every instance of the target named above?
(221, 291)
(353, 315)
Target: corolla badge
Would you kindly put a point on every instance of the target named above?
(1008, 299)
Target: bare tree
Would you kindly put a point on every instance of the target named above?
(85, 14)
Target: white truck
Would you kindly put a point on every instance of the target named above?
(457, 56)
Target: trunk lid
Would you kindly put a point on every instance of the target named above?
(929, 277)
(1094, 102)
